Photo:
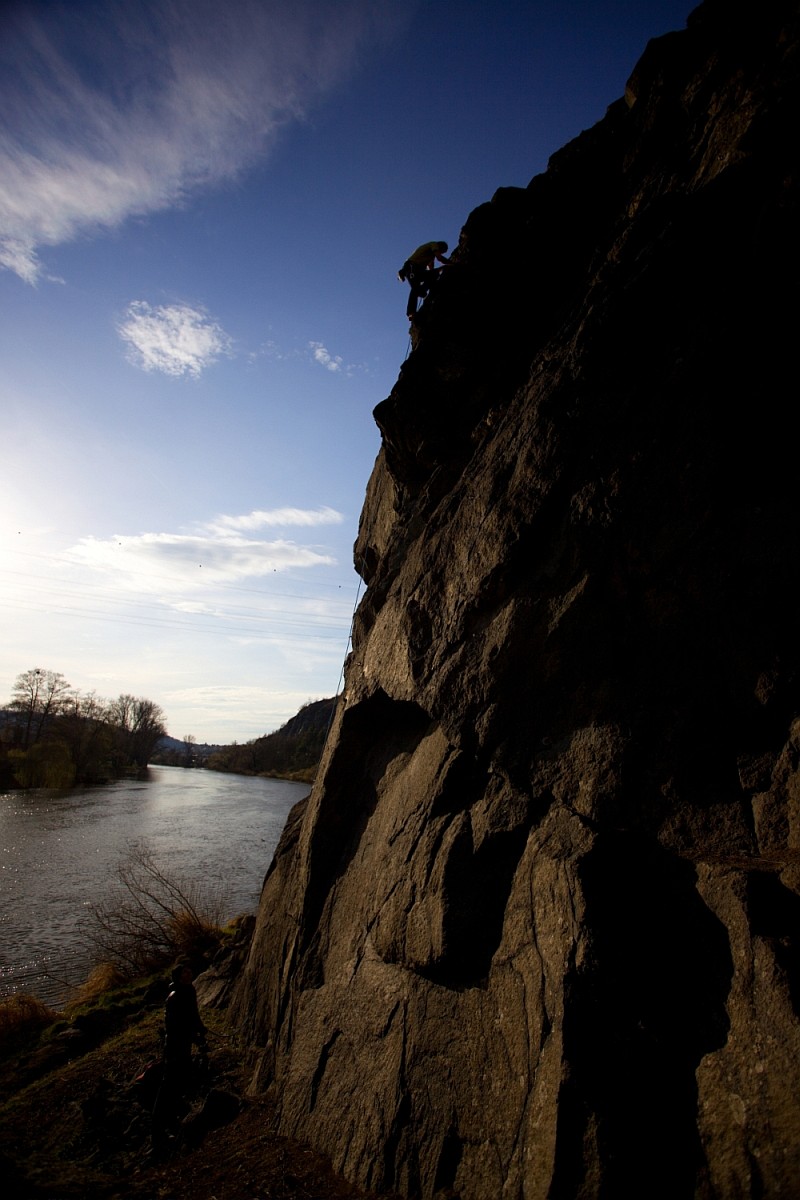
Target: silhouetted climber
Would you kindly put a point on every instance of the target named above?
(419, 271)
(182, 1026)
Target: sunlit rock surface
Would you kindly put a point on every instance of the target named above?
(536, 931)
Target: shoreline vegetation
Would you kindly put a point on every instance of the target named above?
(79, 1082)
(53, 736)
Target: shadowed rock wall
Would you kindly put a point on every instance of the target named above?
(535, 933)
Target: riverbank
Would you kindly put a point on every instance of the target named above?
(64, 852)
(307, 775)
(75, 1122)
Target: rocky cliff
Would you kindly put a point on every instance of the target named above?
(537, 930)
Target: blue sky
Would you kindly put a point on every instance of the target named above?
(203, 206)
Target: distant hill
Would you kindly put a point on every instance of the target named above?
(176, 752)
(291, 752)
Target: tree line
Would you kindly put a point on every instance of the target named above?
(52, 735)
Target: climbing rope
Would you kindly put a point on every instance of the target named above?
(355, 607)
(360, 567)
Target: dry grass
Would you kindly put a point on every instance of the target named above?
(20, 1015)
(102, 979)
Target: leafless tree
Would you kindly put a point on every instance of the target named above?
(84, 727)
(189, 743)
(38, 696)
(139, 725)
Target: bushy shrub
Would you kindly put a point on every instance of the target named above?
(45, 764)
(153, 918)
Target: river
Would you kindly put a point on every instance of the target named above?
(61, 849)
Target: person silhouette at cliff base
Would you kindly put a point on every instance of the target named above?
(182, 1027)
(420, 272)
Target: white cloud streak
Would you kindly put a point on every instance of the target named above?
(117, 109)
(175, 339)
(215, 553)
(278, 516)
(168, 561)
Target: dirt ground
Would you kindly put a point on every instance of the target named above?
(79, 1129)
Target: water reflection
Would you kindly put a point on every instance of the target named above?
(59, 853)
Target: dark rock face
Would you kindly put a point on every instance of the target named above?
(537, 930)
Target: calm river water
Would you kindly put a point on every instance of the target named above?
(60, 852)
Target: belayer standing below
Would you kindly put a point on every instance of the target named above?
(419, 271)
(182, 1027)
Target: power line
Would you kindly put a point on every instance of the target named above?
(182, 623)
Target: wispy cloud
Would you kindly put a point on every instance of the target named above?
(324, 358)
(333, 362)
(174, 338)
(117, 109)
(277, 516)
(216, 552)
(271, 351)
(167, 562)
